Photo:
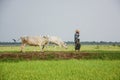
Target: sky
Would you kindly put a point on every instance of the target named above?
(97, 20)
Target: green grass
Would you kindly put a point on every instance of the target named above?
(84, 48)
(61, 70)
(103, 66)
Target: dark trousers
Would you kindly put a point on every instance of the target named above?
(77, 45)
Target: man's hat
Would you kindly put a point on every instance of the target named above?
(77, 30)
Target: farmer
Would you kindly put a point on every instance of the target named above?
(77, 40)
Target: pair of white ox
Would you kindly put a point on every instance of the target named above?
(41, 41)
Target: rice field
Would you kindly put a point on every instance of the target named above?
(61, 70)
(105, 68)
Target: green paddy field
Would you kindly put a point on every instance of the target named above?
(104, 65)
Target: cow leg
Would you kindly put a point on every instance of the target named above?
(22, 47)
(43, 48)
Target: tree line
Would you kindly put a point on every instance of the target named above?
(72, 43)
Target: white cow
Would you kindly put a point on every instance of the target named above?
(58, 41)
(34, 41)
